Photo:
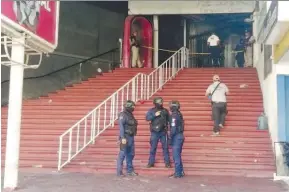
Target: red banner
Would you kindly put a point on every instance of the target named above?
(38, 17)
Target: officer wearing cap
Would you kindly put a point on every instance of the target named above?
(177, 138)
(159, 120)
(127, 131)
(217, 92)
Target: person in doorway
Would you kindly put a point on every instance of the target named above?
(128, 130)
(177, 138)
(159, 120)
(239, 50)
(213, 43)
(135, 48)
(218, 92)
(249, 42)
(222, 54)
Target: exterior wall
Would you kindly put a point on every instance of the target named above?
(140, 7)
(83, 32)
(267, 73)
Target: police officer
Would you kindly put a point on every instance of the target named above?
(159, 119)
(177, 138)
(127, 129)
(217, 92)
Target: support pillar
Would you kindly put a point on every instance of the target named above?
(156, 40)
(185, 33)
(14, 115)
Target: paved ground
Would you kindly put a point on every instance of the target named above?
(76, 182)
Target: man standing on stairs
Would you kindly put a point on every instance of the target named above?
(213, 43)
(218, 92)
(249, 42)
(135, 57)
(127, 129)
(159, 120)
(177, 138)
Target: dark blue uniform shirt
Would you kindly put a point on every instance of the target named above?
(175, 123)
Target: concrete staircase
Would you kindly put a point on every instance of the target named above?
(46, 118)
(241, 150)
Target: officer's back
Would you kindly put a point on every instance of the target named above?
(218, 92)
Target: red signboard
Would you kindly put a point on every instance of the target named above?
(37, 18)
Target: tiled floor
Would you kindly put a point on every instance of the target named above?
(76, 182)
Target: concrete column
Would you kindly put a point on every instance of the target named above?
(14, 115)
(156, 40)
(185, 33)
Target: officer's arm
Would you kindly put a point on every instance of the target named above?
(173, 126)
(121, 122)
(167, 117)
(150, 115)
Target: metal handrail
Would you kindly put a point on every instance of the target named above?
(85, 131)
(69, 66)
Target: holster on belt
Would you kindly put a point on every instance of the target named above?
(122, 146)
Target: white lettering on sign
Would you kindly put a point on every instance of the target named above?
(46, 5)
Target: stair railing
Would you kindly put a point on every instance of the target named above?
(140, 87)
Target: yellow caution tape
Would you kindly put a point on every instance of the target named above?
(172, 51)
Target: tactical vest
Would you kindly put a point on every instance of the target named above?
(159, 123)
(130, 127)
(181, 126)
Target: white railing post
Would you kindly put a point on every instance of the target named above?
(113, 110)
(183, 58)
(137, 89)
(98, 123)
(69, 145)
(161, 79)
(93, 126)
(187, 57)
(133, 88)
(141, 86)
(148, 87)
(173, 66)
(59, 154)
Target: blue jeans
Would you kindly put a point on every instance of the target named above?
(128, 154)
(154, 140)
(177, 145)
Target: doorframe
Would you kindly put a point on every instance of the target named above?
(282, 112)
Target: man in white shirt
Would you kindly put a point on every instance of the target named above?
(218, 92)
(213, 43)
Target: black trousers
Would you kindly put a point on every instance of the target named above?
(240, 61)
(215, 56)
(219, 111)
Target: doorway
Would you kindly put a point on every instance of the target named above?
(144, 30)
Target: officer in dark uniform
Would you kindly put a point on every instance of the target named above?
(177, 138)
(127, 129)
(159, 119)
